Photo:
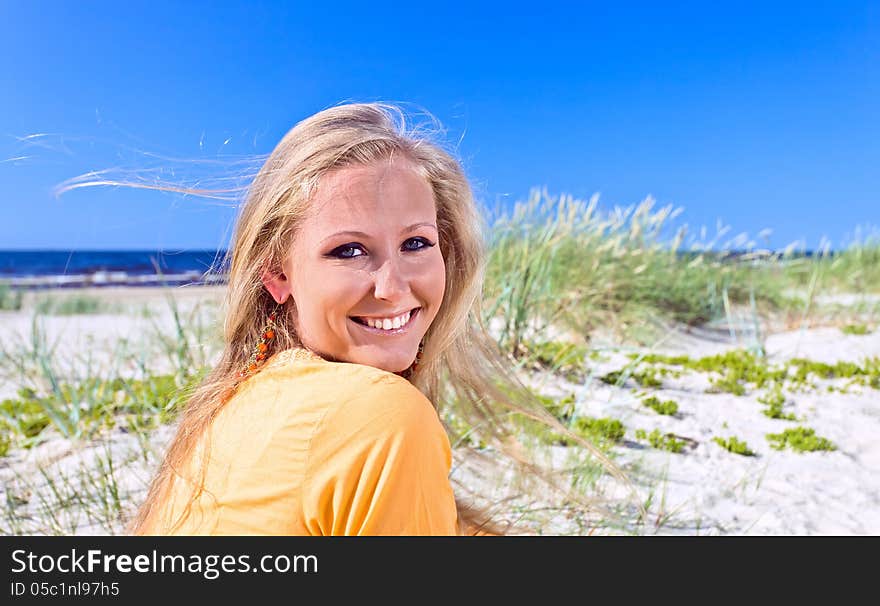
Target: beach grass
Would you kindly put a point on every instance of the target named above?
(10, 298)
(559, 261)
(74, 305)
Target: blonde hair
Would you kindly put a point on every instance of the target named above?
(459, 354)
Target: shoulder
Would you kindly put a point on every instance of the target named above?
(348, 396)
(365, 448)
(376, 405)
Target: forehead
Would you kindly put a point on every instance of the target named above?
(383, 192)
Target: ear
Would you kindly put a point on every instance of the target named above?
(277, 284)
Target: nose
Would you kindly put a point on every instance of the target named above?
(390, 282)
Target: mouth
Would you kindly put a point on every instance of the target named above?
(404, 322)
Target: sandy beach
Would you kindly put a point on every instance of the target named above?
(703, 489)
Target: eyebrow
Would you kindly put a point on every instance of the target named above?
(349, 232)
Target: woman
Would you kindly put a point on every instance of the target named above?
(354, 285)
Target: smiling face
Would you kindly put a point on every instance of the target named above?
(367, 254)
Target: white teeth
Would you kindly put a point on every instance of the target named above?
(389, 323)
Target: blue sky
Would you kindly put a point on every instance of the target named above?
(761, 115)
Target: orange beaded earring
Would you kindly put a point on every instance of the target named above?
(408, 373)
(261, 351)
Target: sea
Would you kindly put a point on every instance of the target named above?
(34, 269)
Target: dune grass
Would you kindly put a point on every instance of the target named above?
(10, 298)
(558, 261)
(74, 305)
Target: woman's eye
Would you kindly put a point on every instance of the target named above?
(422, 242)
(344, 250)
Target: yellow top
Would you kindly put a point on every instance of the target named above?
(311, 447)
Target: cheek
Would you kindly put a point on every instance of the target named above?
(324, 293)
(331, 292)
(434, 281)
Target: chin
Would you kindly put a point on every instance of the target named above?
(388, 363)
(394, 367)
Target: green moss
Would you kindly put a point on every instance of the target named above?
(663, 371)
(663, 359)
(776, 413)
(646, 377)
(775, 400)
(605, 428)
(738, 371)
(727, 384)
(733, 445)
(799, 439)
(854, 329)
(841, 370)
(739, 368)
(556, 352)
(562, 408)
(602, 432)
(23, 416)
(667, 407)
(740, 364)
(615, 377)
(565, 359)
(661, 441)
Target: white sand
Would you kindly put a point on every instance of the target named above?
(139, 327)
(704, 490)
(708, 490)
